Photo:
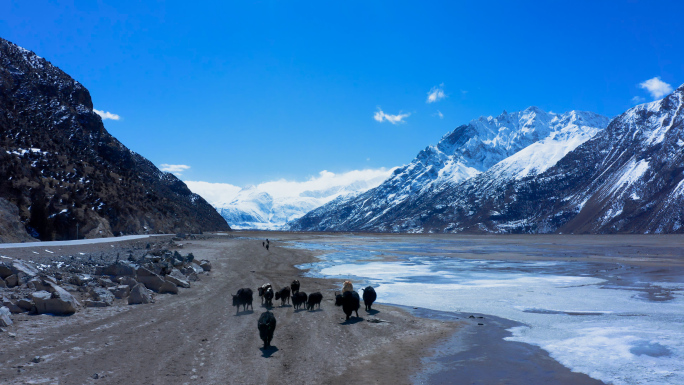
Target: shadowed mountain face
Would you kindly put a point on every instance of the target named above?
(63, 171)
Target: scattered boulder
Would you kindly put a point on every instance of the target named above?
(5, 319)
(178, 278)
(151, 280)
(102, 295)
(92, 303)
(117, 269)
(120, 291)
(105, 282)
(12, 280)
(25, 304)
(205, 265)
(80, 279)
(191, 268)
(13, 307)
(59, 302)
(139, 295)
(3, 284)
(128, 281)
(5, 270)
(168, 287)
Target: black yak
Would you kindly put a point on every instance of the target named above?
(369, 297)
(262, 289)
(283, 295)
(244, 298)
(294, 286)
(298, 299)
(350, 302)
(268, 296)
(266, 325)
(314, 299)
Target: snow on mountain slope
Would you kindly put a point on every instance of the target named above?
(628, 178)
(270, 205)
(513, 144)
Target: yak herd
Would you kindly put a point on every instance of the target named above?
(349, 301)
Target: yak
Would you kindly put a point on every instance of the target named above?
(244, 298)
(268, 296)
(294, 286)
(369, 296)
(298, 299)
(262, 289)
(283, 295)
(314, 299)
(350, 302)
(266, 325)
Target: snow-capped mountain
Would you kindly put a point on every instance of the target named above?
(512, 145)
(270, 205)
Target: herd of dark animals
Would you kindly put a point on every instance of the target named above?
(349, 300)
(266, 244)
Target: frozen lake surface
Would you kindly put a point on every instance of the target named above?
(596, 318)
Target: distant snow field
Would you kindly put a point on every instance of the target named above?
(270, 205)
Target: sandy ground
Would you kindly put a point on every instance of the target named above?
(196, 337)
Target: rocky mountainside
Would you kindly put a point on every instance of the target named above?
(63, 171)
(508, 147)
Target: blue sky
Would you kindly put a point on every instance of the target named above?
(246, 92)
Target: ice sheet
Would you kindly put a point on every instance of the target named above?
(612, 334)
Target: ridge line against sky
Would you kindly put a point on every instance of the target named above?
(244, 93)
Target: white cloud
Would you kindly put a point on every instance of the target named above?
(329, 184)
(439, 113)
(638, 100)
(656, 87)
(217, 194)
(436, 94)
(394, 119)
(106, 115)
(177, 169)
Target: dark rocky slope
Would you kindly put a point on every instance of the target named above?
(63, 171)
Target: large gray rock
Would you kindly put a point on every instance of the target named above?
(128, 281)
(168, 288)
(191, 268)
(3, 284)
(92, 303)
(5, 270)
(205, 265)
(13, 307)
(118, 269)
(102, 295)
(5, 319)
(178, 278)
(59, 302)
(12, 280)
(120, 291)
(139, 295)
(25, 304)
(151, 280)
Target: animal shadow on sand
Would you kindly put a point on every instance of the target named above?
(352, 321)
(244, 312)
(269, 351)
(372, 311)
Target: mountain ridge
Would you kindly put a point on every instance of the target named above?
(67, 176)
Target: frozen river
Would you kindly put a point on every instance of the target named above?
(611, 321)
